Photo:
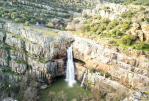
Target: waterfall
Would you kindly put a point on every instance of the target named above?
(84, 76)
(70, 72)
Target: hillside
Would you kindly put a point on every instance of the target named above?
(122, 26)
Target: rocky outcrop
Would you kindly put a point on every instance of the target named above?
(141, 31)
(145, 29)
(98, 83)
(40, 53)
(114, 10)
(124, 71)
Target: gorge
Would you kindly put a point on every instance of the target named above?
(96, 52)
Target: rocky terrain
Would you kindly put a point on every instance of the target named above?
(109, 72)
(23, 50)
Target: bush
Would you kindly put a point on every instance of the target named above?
(142, 44)
(147, 20)
(50, 25)
(94, 29)
(27, 23)
(86, 27)
(127, 40)
(142, 8)
(118, 33)
(13, 15)
(126, 14)
(106, 9)
(85, 16)
(17, 20)
(144, 12)
(76, 21)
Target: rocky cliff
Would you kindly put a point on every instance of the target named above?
(34, 51)
(112, 73)
(113, 11)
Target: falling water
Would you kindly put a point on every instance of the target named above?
(70, 73)
(84, 76)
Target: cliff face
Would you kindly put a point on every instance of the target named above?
(116, 73)
(33, 51)
(113, 11)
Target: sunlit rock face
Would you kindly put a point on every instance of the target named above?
(126, 71)
(113, 12)
(35, 51)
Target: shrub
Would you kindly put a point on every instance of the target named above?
(85, 16)
(27, 23)
(13, 15)
(17, 20)
(118, 33)
(127, 40)
(144, 12)
(106, 9)
(147, 20)
(142, 8)
(94, 29)
(76, 21)
(86, 27)
(50, 25)
(142, 44)
(126, 14)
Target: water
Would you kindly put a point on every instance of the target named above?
(71, 89)
(70, 72)
(84, 76)
(61, 85)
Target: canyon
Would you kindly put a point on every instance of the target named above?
(113, 74)
(110, 72)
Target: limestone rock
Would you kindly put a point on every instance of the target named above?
(136, 26)
(145, 29)
(128, 70)
(114, 10)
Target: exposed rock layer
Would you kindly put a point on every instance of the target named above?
(25, 50)
(124, 72)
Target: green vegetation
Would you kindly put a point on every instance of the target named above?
(29, 67)
(8, 47)
(66, 5)
(136, 2)
(116, 30)
(106, 9)
(147, 94)
(3, 67)
(27, 23)
(128, 39)
(32, 14)
(11, 73)
(21, 62)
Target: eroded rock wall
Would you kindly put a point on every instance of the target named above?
(28, 51)
(125, 72)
